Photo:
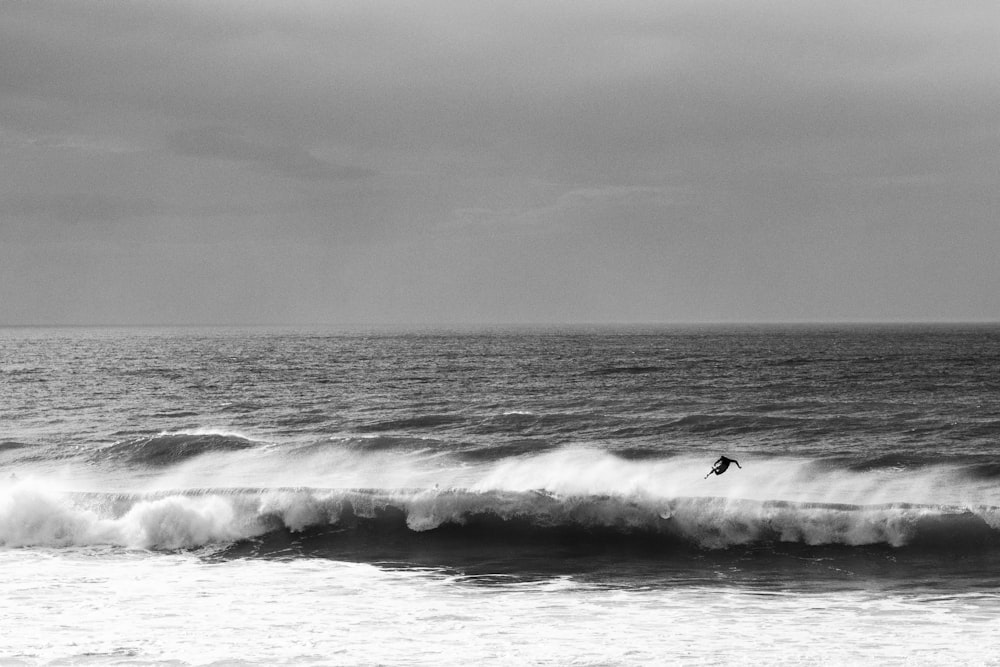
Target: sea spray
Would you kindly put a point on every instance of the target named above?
(34, 512)
(31, 514)
(181, 522)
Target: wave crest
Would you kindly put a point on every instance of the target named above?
(30, 515)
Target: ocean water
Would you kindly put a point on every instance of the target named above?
(508, 496)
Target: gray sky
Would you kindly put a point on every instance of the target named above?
(224, 162)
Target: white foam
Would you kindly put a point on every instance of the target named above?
(208, 431)
(579, 486)
(35, 513)
(116, 608)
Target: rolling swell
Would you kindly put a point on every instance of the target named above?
(627, 370)
(169, 448)
(415, 422)
(11, 444)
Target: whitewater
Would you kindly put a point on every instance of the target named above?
(267, 496)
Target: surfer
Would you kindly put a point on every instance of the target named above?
(722, 465)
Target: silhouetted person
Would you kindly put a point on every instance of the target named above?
(722, 465)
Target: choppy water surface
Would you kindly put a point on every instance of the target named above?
(512, 496)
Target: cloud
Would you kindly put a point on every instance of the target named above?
(538, 139)
(572, 210)
(285, 159)
(79, 207)
(569, 91)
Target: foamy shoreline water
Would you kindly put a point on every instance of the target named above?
(86, 607)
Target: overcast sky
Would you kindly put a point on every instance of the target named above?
(169, 162)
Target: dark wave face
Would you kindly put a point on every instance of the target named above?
(12, 444)
(169, 448)
(960, 552)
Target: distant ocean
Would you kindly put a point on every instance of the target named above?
(508, 496)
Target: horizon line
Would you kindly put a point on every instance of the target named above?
(499, 324)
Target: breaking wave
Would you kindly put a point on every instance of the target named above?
(224, 493)
(33, 515)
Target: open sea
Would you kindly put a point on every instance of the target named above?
(500, 497)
